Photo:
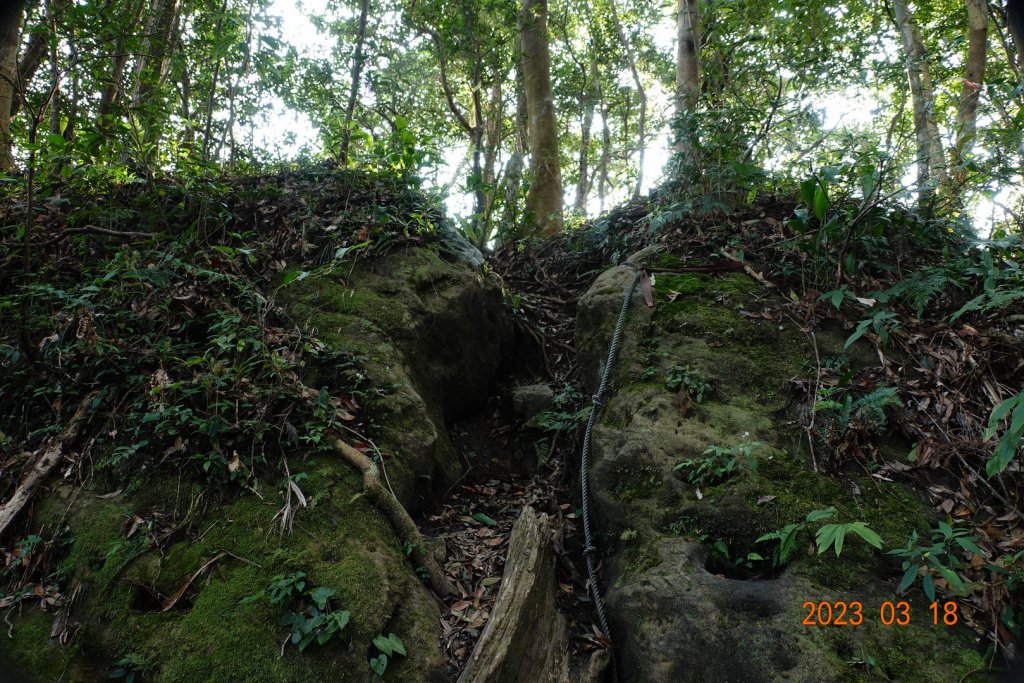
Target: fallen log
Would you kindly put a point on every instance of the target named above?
(51, 455)
(400, 520)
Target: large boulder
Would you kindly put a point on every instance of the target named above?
(429, 334)
(692, 595)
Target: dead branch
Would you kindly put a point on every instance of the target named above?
(90, 229)
(52, 454)
(396, 514)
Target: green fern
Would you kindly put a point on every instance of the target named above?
(920, 289)
(871, 407)
(1000, 297)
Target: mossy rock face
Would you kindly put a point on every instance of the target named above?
(686, 602)
(431, 335)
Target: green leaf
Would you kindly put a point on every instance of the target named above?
(295, 276)
(928, 586)
(483, 519)
(818, 515)
(320, 596)
(396, 644)
(379, 664)
(383, 643)
(807, 189)
(867, 534)
(820, 203)
(908, 578)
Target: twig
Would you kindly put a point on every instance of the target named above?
(91, 229)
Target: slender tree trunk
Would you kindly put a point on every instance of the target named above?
(687, 56)
(32, 58)
(357, 71)
(10, 32)
(56, 99)
(151, 71)
(688, 78)
(111, 92)
(492, 143)
(211, 97)
(188, 135)
(1015, 22)
(930, 158)
(544, 199)
(642, 122)
(974, 75)
(588, 102)
(606, 156)
(514, 168)
(69, 130)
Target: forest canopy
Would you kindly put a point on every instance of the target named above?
(919, 102)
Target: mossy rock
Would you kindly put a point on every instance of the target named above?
(431, 336)
(683, 603)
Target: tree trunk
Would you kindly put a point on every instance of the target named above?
(10, 33)
(930, 159)
(974, 75)
(688, 79)
(152, 67)
(56, 100)
(357, 72)
(544, 199)
(514, 168)
(492, 143)
(111, 92)
(606, 155)
(588, 102)
(31, 59)
(687, 56)
(1015, 22)
(642, 123)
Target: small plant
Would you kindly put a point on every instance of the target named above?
(720, 463)
(693, 382)
(127, 668)
(387, 646)
(561, 417)
(868, 409)
(924, 560)
(1012, 439)
(828, 536)
(880, 322)
(314, 620)
(833, 535)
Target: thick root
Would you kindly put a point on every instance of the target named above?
(397, 515)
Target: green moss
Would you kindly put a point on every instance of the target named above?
(635, 482)
(639, 557)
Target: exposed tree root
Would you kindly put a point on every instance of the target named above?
(400, 520)
(52, 453)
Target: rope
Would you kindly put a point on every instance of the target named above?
(596, 403)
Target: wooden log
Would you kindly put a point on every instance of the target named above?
(51, 455)
(525, 639)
